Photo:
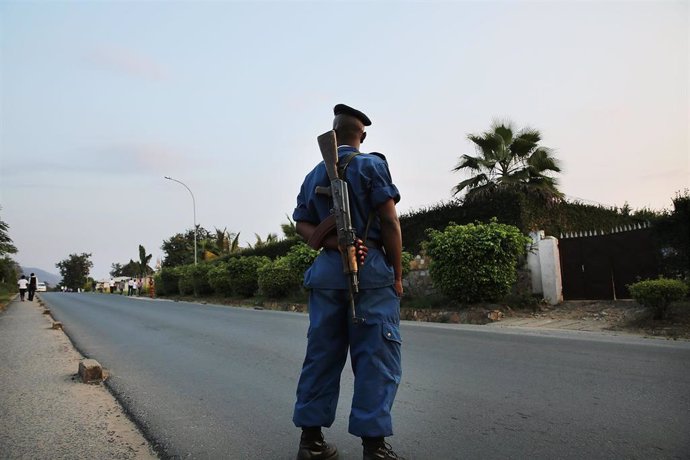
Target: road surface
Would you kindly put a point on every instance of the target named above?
(207, 381)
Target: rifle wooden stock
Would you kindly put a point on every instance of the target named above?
(329, 151)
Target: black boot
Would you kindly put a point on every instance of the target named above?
(378, 449)
(313, 447)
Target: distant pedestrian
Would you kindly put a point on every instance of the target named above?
(130, 287)
(112, 286)
(139, 286)
(23, 284)
(32, 286)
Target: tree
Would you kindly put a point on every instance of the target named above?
(8, 267)
(144, 260)
(260, 243)
(179, 248)
(6, 245)
(218, 244)
(115, 269)
(508, 160)
(289, 229)
(75, 270)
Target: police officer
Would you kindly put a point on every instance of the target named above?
(374, 343)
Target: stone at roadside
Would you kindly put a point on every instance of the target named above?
(90, 371)
(495, 315)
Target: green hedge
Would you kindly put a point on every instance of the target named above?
(277, 279)
(242, 274)
(167, 281)
(475, 262)
(525, 213)
(285, 275)
(219, 279)
(271, 250)
(658, 294)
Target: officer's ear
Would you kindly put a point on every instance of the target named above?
(364, 136)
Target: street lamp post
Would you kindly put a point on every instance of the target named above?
(193, 206)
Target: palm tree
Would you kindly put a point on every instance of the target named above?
(222, 241)
(260, 243)
(144, 260)
(289, 229)
(509, 160)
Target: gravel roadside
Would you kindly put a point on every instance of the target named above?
(45, 411)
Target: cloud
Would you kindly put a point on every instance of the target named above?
(126, 61)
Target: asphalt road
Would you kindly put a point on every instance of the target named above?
(208, 381)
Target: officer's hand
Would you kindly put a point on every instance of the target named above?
(362, 251)
(398, 288)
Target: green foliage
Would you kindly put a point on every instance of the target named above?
(672, 234)
(167, 281)
(144, 260)
(157, 285)
(508, 159)
(75, 270)
(658, 294)
(277, 279)
(406, 260)
(131, 269)
(505, 206)
(289, 229)
(8, 268)
(285, 275)
(179, 248)
(6, 245)
(9, 271)
(185, 282)
(475, 262)
(300, 257)
(199, 275)
(193, 280)
(525, 212)
(242, 274)
(272, 250)
(219, 279)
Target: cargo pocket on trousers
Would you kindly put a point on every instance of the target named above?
(392, 341)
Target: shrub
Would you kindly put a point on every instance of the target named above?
(167, 281)
(185, 285)
(199, 278)
(407, 259)
(219, 280)
(272, 250)
(658, 294)
(242, 274)
(278, 279)
(475, 262)
(300, 257)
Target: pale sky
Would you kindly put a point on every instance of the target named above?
(100, 100)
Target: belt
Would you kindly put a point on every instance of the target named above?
(373, 244)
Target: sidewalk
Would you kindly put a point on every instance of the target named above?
(45, 411)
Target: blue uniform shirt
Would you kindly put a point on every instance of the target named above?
(369, 185)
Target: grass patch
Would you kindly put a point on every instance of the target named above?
(6, 294)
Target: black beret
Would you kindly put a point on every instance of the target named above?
(342, 109)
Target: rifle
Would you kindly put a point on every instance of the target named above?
(347, 239)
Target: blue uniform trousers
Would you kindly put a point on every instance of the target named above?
(374, 353)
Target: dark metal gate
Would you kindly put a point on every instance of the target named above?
(600, 267)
